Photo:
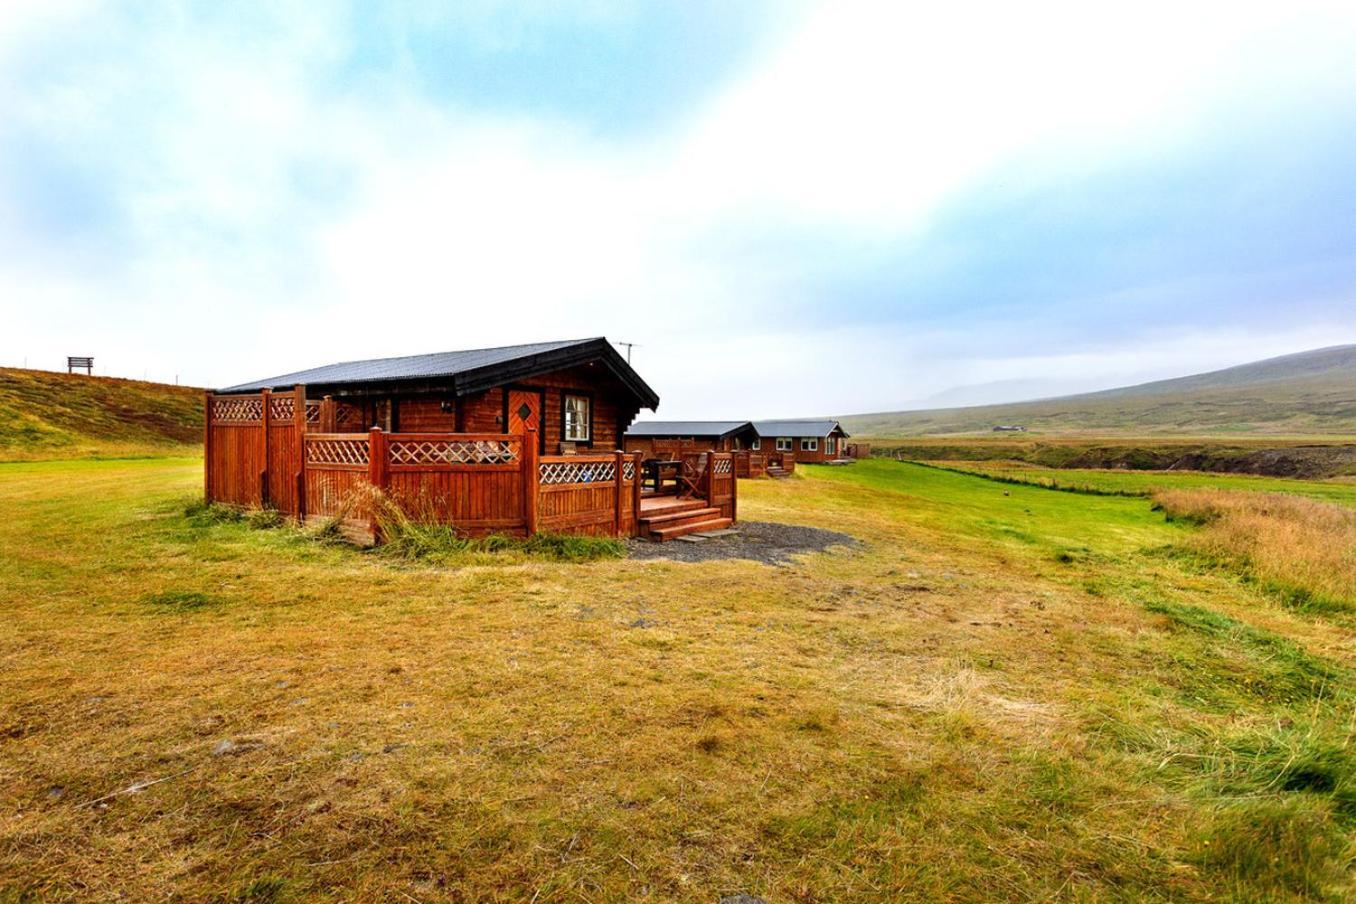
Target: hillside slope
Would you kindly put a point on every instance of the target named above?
(1304, 394)
(56, 415)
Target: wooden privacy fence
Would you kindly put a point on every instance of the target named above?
(259, 453)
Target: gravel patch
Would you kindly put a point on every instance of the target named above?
(757, 541)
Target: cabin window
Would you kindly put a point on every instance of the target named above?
(755, 444)
(829, 446)
(783, 444)
(576, 419)
(809, 445)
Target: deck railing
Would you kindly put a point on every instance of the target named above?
(481, 483)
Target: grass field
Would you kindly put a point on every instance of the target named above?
(1307, 457)
(1005, 693)
(1146, 483)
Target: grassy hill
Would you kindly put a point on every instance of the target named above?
(53, 415)
(1310, 393)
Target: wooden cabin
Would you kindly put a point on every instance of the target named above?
(502, 440)
(809, 440)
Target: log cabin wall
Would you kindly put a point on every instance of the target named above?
(611, 410)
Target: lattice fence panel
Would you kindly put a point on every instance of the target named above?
(452, 452)
(238, 411)
(312, 412)
(629, 470)
(557, 473)
(282, 408)
(347, 414)
(722, 467)
(337, 451)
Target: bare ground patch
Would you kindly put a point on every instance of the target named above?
(758, 541)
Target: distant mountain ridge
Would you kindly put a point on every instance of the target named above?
(1311, 392)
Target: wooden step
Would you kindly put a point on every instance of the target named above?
(689, 527)
(700, 512)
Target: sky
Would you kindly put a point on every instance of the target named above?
(791, 208)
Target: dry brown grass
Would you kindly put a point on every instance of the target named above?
(1302, 548)
(946, 713)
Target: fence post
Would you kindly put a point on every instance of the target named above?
(299, 431)
(621, 488)
(531, 479)
(734, 492)
(329, 419)
(710, 478)
(207, 447)
(637, 457)
(376, 473)
(265, 419)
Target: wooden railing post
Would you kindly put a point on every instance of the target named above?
(734, 493)
(207, 448)
(621, 489)
(711, 478)
(265, 419)
(299, 431)
(531, 480)
(637, 458)
(329, 418)
(377, 473)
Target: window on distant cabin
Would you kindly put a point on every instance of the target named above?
(809, 445)
(755, 444)
(783, 444)
(576, 419)
(829, 446)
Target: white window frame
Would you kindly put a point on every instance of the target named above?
(809, 444)
(755, 444)
(785, 444)
(829, 447)
(582, 432)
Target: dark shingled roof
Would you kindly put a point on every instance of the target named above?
(687, 428)
(472, 370)
(798, 427)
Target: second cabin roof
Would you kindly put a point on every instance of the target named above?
(688, 428)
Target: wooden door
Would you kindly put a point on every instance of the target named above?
(524, 410)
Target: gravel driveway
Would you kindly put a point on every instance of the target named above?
(758, 541)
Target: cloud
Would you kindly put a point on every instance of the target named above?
(781, 247)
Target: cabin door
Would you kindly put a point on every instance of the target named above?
(524, 411)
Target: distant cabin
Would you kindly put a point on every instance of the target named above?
(811, 440)
(1009, 428)
(803, 440)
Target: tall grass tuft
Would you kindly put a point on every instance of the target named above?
(411, 528)
(1302, 550)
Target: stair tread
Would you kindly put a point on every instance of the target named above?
(703, 512)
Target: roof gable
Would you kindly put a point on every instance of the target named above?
(688, 428)
(798, 427)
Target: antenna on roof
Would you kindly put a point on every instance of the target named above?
(629, 346)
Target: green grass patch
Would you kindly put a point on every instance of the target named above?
(1273, 667)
